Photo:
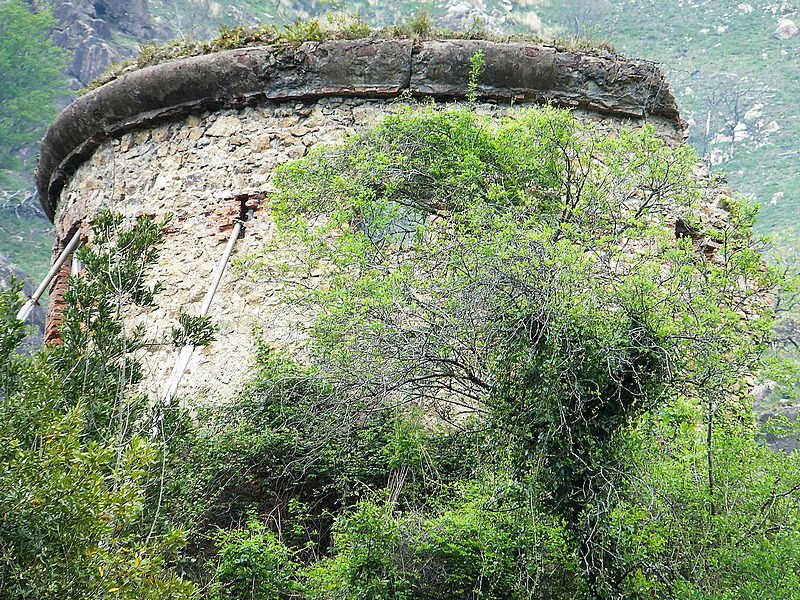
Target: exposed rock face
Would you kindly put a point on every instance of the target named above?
(465, 14)
(37, 318)
(130, 16)
(786, 29)
(780, 437)
(89, 31)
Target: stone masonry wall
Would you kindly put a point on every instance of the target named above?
(202, 168)
(199, 139)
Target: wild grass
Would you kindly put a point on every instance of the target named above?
(332, 27)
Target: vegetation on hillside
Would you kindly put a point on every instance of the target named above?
(521, 385)
(203, 18)
(30, 83)
(25, 233)
(735, 81)
(30, 78)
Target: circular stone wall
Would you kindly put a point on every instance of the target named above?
(148, 144)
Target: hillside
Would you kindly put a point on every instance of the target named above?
(203, 18)
(737, 82)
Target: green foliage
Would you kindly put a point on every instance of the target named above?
(74, 471)
(255, 565)
(523, 269)
(363, 568)
(411, 166)
(471, 547)
(30, 77)
(95, 358)
(193, 331)
(418, 26)
(573, 377)
(520, 280)
(520, 384)
(69, 509)
(476, 63)
(295, 452)
(12, 332)
(748, 546)
(304, 31)
(348, 26)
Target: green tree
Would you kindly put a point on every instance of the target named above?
(74, 463)
(31, 77)
(95, 358)
(528, 270)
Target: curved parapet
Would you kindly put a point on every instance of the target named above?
(513, 71)
(201, 138)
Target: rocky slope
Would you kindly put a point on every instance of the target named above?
(97, 33)
(36, 320)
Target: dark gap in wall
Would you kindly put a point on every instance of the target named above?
(245, 212)
(249, 205)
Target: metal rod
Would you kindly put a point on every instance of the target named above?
(237, 229)
(26, 309)
(178, 370)
(185, 354)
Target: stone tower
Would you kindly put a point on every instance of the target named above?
(198, 138)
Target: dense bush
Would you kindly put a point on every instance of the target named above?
(75, 466)
(528, 270)
(521, 384)
(254, 565)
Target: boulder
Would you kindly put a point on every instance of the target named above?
(786, 29)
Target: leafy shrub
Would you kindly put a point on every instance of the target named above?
(749, 544)
(193, 331)
(295, 453)
(254, 565)
(363, 566)
(464, 549)
(541, 283)
(73, 476)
